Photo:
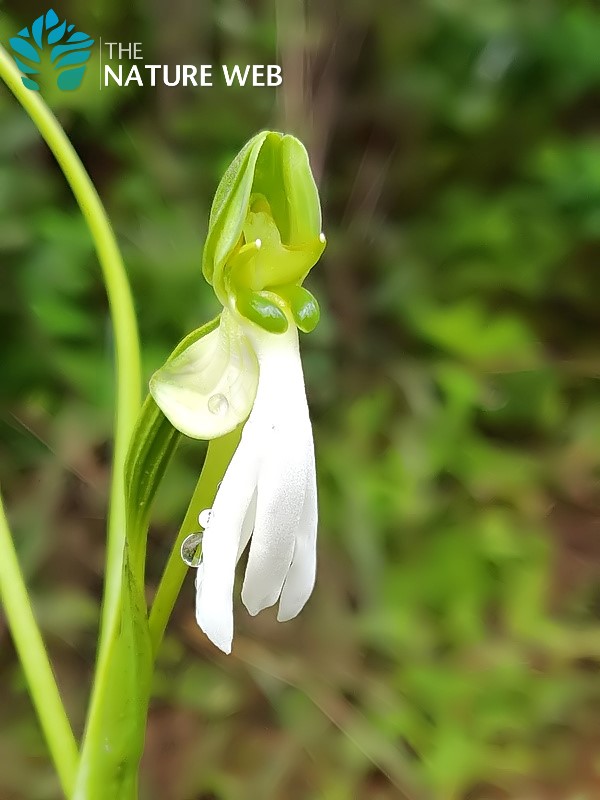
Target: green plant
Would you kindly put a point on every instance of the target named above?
(241, 371)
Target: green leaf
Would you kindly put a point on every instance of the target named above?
(153, 444)
(111, 770)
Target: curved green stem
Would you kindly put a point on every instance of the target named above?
(36, 666)
(126, 344)
(128, 370)
(220, 452)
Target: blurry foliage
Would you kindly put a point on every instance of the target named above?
(452, 647)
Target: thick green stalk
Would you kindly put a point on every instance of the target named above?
(34, 659)
(126, 349)
(114, 737)
(220, 452)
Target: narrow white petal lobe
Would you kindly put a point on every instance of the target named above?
(301, 576)
(280, 418)
(220, 546)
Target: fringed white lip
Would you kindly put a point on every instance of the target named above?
(268, 496)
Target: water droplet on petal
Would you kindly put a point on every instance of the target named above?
(322, 237)
(204, 517)
(218, 404)
(191, 549)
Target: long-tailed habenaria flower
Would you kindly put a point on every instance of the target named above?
(264, 236)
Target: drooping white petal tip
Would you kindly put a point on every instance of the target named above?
(218, 635)
(216, 621)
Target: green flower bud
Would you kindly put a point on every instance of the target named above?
(265, 234)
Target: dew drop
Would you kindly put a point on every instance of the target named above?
(218, 404)
(204, 517)
(191, 549)
(322, 238)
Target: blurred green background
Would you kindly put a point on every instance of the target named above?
(451, 650)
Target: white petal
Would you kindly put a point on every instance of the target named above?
(269, 494)
(209, 389)
(247, 527)
(221, 544)
(280, 418)
(278, 510)
(300, 579)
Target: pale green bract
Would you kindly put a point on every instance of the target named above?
(264, 236)
(209, 389)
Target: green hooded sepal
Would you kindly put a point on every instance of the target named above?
(265, 222)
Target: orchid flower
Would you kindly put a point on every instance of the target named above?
(264, 236)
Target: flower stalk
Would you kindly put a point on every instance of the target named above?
(220, 452)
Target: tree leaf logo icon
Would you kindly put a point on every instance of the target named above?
(52, 48)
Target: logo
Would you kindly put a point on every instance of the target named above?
(47, 51)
